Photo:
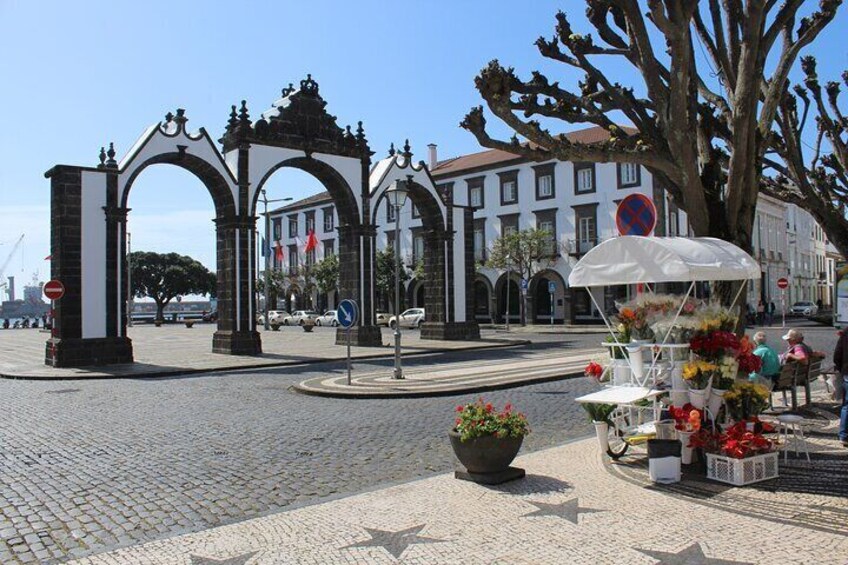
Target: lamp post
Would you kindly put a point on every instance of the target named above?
(266, 249)
(397, 194)
(508, 276)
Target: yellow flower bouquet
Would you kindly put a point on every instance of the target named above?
(698, 373)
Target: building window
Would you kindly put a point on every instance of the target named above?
(310, 257)
(628, 175)
(293, 263)
(292, 226)
(329, 220)
(390, 240)
(480, 240)
(278, 229)
(545, 181)
(509, 187)
(586, 221)
(546, 221)
(310, 222)
(329, 248)
(584, 178)
(509, 224)
(673, 223)
(475, 192)
(417, 248)
(390, 211)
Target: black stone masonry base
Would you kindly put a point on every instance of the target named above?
(363, 336)
(69, 352)
(237, 343)
(450, 331)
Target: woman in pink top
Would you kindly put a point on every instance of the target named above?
(798, 350)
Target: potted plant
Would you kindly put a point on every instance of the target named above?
(600, 415)
(687, 422)
(308, 324)
(486, 441)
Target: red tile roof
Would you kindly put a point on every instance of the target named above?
(492, 157)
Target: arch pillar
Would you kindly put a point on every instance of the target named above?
(356, 252)
(236, 333)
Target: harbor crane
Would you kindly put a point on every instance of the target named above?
(9, 257)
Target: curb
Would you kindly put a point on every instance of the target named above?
(433, 393)
(192, 371)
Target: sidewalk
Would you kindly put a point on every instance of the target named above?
(174, 349)
(574, 506)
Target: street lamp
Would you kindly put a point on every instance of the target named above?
(397, 194)
(266, 249)
(508, 275)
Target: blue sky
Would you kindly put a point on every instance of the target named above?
(77, 75)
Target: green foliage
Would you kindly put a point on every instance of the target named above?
(326, 274)
(277, 282)
(481, 419)
(529, 251)
(599, 412)
(385, 274)
(164, 276)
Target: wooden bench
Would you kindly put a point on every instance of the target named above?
(794, 374)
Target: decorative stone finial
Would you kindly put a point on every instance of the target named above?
(348, 133)
(407, 150)
(111, 154)
(168, 117)
(391, 149)
(102, 158)
(231, 123)
(244, 117)
(180, 117)
(309, 86)
(288, 90)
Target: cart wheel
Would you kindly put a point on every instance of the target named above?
(617, 444)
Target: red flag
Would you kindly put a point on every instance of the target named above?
(278, 250)
(48, 258)
(311, 241)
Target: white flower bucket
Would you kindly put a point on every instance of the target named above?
(685, 451)
(677, 380)
(679, 397)
(620, 372)
(602, 433)
(715, 402)
(698, 397)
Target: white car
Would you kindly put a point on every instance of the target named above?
(278, 317)
(328, 319)
(382, 318)
(299, 317)
(805, 309)
(411, 318)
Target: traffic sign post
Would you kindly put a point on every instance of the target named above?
(54, 290)
(348, 315)
(551, 291)
(783, 284)
(523, 286)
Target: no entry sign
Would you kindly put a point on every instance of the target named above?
(54, 290)
(782, 283)
(636, 215)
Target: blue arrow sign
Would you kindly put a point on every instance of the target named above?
(523, 284)
(348, 313)
(551, 287)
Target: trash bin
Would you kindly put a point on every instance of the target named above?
(664, 460)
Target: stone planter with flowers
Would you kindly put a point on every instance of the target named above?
(486, 441)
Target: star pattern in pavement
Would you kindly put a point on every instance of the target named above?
(690, 555)
(394, 542)
(237, 560)
(569, 510)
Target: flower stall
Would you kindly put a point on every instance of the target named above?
(676, 369)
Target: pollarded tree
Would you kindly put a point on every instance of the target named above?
(820, 184)
(526, 252)
(384, 276)
(163, 277)
(705, 147)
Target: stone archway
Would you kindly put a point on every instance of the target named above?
(88, 254)
(514, 298)
(541, 308)
(483, 299)
(447, 233)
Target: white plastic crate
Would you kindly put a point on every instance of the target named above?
(740, 472)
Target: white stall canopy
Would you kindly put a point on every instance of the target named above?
(637, 259)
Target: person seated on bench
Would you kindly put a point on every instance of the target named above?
(798, 350)
(771, 362)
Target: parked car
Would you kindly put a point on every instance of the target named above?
(211, 316)
(382, 318)
(328, 319)
(411, 318)
(299, 317)
(278, 317)
(804, 309)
